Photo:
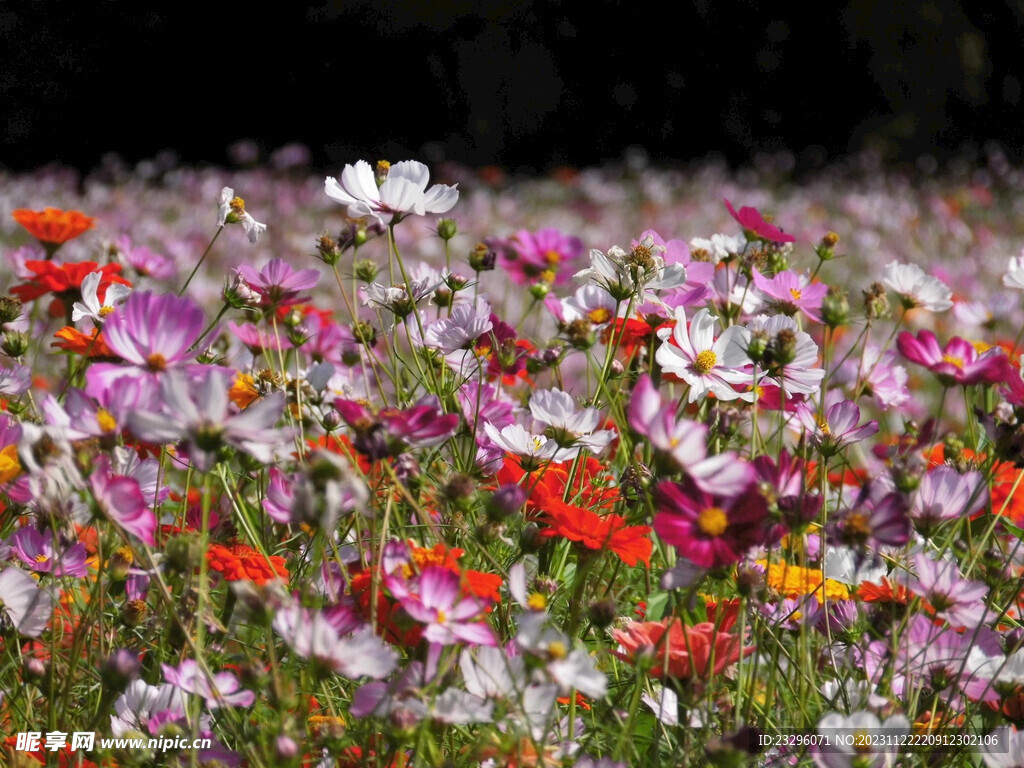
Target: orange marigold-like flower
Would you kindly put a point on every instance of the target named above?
(53, 226)
(238, 562)
(88, 344)
(631, 543)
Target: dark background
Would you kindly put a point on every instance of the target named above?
(527, 85)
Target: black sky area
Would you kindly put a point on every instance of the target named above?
(525, 86)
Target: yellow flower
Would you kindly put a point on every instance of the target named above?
(794, 581)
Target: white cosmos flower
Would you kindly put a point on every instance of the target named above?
(705, 363)
(719, 247)
(24, 602)
(1014, 277)
(917, 288)
(404, 191)
(91, 306)
(231, 209)
(569, 425)
(516, 440)
(637, 273)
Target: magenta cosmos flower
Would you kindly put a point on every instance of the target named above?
(957, 363)
(789, 293)
(531, 256)
(710, 531)
(436, 602)
(752, 221)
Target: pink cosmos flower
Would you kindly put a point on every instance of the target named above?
(789, 293)
(531, 256)
(939, 583)
(945, 494)
(222, 689)
(36, 551)
(685, 442)
(751, 220)
(258, 340)
(392, 432)
(278, 284)
(435, 602)
(121, 498)
(957, 363)
(709, 530)
(143, 260)
(838, 429)
(197, 413)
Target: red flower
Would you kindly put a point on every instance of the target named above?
(65, 279)
(751, 220)
(687, 649)
(630, 543)
(52, 225)
(238, 562)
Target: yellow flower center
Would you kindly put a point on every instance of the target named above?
(599, 315)
(557, 650)
(441, 617)
(705, 361)
(156, 362)
(552, 257)
(857, 523)
(547, 276)
(105, 421)
(795, 293)
(536, 601)
(10, 467)
(713, 521)
(105, 310)
(41, 558)
(237, 205)
(954, 361)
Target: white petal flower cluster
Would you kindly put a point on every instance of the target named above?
(403, 191)
(916, 288)
(636, 273)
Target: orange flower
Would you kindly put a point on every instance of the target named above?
(886, 592)
(88, 344)
(630, 543)
(238, 562)
(53, 226)
(688, 649)
(1004, 483)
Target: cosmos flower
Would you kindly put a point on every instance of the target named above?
(277, 284)
(312, 635)
(837, 429)
(684, 442)
(403, 191)
(789, 293)
(23, 602)
(710, 531)
(708, 365)
(753, 222)
(945, 494)
(435, 599)
(939, 584)
(219, 689)
(568, 425)
(231, 210)
(531, 256)
(958, 362)
(196, 414)
(91, 305)
(122, 499)
(36, 550)
(916, 288)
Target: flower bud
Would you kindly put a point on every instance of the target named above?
(364, 333)
(446, 229)
(835, 308)
(505, 501)
(10, 309)
(876, 303)
(119, 669)
(758, 345)
(602, 613)
(482, 258)
(530, 539)
(826, 249)
(580, 334)
(327, 249)
(14, 344)
(120, 563)
(540, 290)
(133, 613)
(365, 270)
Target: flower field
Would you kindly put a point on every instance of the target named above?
(417, 466)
